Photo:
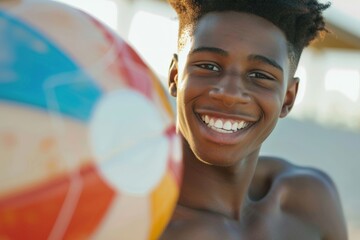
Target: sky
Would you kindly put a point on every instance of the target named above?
(351, 7)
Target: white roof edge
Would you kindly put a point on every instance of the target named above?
(342, 20)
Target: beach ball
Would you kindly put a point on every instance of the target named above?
(88, 148)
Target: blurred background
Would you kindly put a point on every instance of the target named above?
(323, 130)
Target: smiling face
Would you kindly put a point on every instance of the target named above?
(232, 84)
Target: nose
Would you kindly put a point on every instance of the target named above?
(230, 90)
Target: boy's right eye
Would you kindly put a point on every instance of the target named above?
(208, 66)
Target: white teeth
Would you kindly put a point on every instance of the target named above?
(220, 130)
(219, 124)
(227, 125)
(207, 120)
(211, 122)
(241, 125)
(234, 126)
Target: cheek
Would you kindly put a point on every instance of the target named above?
(181, 112)
(187, 90)
(272, 103)
(271, 109)
(185, 114)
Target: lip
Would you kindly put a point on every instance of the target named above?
(223, 138)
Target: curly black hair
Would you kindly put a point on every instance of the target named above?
(300, 20)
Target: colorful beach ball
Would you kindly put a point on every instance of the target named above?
(88, 148)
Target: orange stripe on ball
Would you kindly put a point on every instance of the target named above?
(163, 201)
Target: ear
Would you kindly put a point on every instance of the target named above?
(173, 76)
(290, 97)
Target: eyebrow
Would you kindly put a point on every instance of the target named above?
(210, 49)
(266, 60)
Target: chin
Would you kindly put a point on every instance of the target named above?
(216, 158)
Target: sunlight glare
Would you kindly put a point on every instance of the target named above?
(155, 41)
(104, 10)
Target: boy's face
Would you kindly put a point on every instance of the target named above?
(232, 84)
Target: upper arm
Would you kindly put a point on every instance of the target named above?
(334, 223)
(316, 200)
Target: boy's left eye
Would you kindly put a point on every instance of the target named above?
(259, 75)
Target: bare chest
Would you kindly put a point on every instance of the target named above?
(273, 225)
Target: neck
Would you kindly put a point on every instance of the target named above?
(221, 190)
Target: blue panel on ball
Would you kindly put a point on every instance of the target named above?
(35, 71)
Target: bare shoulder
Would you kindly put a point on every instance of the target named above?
(309, 194)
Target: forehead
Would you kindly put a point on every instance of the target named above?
(237, 31)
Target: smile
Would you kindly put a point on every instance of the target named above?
(224, 125)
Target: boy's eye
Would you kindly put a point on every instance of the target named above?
(208, 66)
(259, 75)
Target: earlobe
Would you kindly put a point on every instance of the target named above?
(173, 76)
(290, 97)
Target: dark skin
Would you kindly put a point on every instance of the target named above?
(233, 81)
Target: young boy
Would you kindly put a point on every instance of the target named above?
(233, 78)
